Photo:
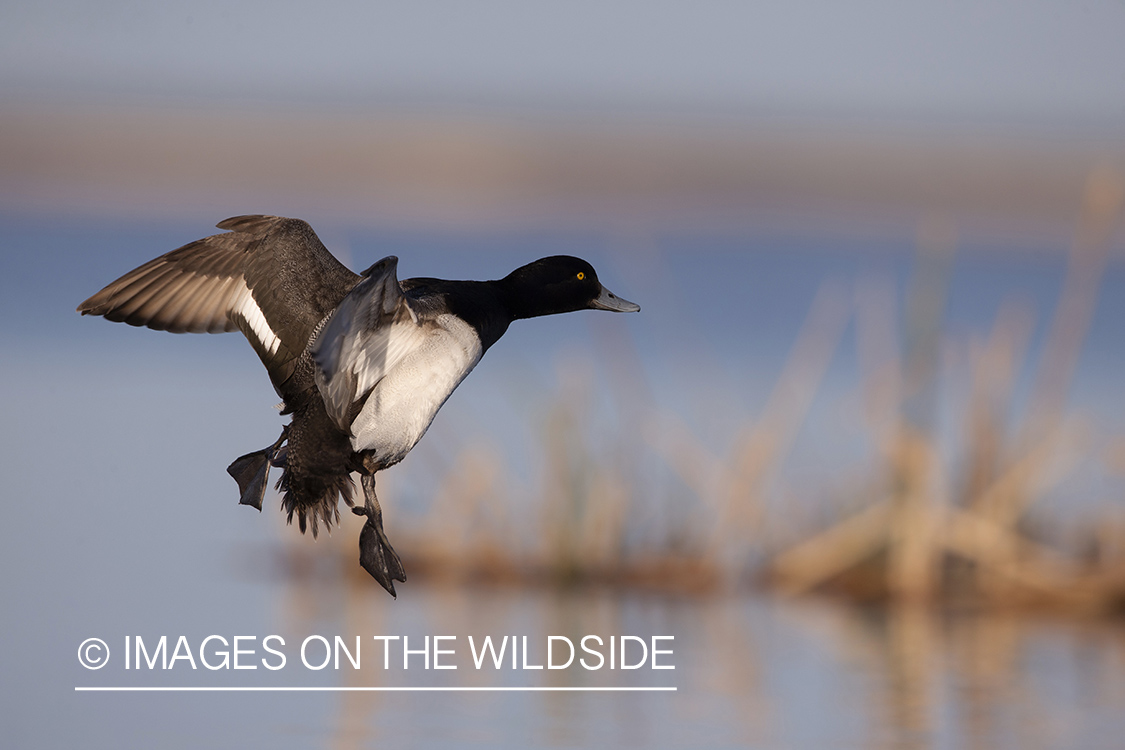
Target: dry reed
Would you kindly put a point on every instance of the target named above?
(919, 525)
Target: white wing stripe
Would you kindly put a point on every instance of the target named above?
(245, 306)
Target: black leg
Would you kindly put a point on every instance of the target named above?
(375, 553)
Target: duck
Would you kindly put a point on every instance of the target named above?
(362, 362)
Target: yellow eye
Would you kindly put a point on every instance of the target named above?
(581, 275)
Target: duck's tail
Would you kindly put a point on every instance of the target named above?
(314, 499)
(317, 468)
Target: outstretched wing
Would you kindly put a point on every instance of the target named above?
(373, 328)
(269, 277)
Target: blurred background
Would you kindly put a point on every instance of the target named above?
(861, 453)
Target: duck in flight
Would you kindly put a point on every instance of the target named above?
(361, 362)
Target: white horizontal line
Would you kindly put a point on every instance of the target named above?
(404, 689)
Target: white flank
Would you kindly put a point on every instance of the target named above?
(384, 349)
(245, 306)
(403, 404)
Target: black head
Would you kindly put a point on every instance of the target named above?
(559, 284)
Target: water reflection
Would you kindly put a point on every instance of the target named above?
(751, 671)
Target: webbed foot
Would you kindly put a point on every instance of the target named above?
(252, 471)
(376, 554)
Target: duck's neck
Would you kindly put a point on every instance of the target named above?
(524, 298)
(481, 304)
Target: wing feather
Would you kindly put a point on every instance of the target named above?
(269, 277)
(165, 303)
(209, 309)
(371, 331)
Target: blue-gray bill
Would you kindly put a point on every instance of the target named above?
(607, 300)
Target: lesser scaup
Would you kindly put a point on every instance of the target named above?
(362, 363)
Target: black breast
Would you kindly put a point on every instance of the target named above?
(478, 303)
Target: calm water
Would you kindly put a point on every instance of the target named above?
(120, 521)
(750, 672)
